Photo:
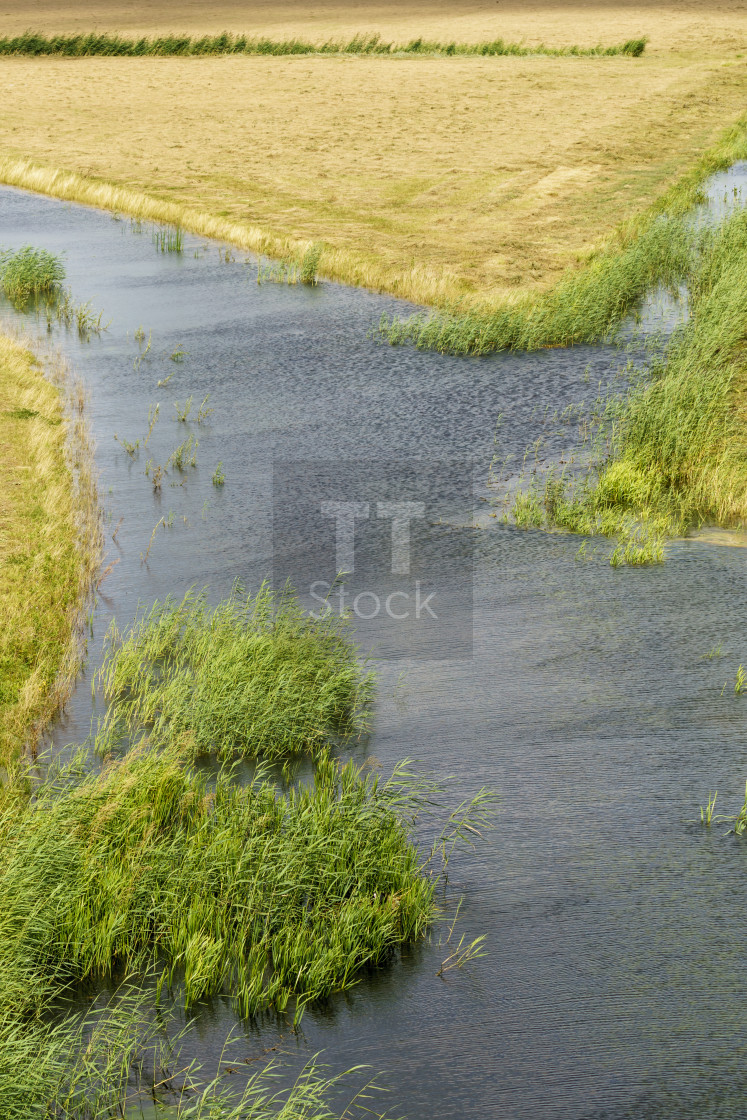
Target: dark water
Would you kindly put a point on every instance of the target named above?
(617, 963)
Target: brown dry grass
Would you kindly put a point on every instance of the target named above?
(49, 541)
(428, 178)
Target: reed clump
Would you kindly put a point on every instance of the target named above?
(27, 274)
(254, 677)
(86, 45)
(264, 896)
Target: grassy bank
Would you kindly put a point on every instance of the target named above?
(189, 46)
(672, 452)
(655, 248)
(49, 541)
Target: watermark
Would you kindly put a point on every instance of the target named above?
(387, 545)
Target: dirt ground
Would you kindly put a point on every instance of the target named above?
(494, 173)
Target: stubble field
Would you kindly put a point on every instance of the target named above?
(429, 177)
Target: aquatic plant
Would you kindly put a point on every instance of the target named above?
(185, 455)
(169, 240)
(707, 813)
(255, 677)
(121, 1059)
(219, 476)
(183, 410)
(204, 410)
(268, 897)
(28, 273)
(153, 414)
(84, 45)
(310, 264)
(130, 448)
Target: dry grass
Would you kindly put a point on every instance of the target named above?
(49, 541)
(428, 178)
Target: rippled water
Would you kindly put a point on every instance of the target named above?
(613, 985)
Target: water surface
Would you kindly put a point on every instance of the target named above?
(613, 985)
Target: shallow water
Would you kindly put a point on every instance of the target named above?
(613, 985)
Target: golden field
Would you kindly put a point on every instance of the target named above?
(430, 178)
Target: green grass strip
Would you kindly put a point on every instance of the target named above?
(187, 46)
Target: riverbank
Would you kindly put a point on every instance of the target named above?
(437, 180)
(49, 541)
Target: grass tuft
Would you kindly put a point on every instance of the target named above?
(28, 273)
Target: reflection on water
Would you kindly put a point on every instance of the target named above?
(616, 966)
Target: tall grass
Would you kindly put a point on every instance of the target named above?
(28, 273)
(674, 447)
(271, 898)
(682, 442)
(124, 1060)
(84, 45)
(254, 677)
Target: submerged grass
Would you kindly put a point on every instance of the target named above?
(123, 1060)
(85, 45)
(254, 677)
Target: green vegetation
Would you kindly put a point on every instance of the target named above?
(658, 248)
(219, 475)
(124, 1061)
(586, 306)
(255, 677)
(185, 455)
(265, 896)
(28, 273)
(676, 451)
(194, 885)
(291, 270)
(169, 239)
(670, 453)
(85, 45)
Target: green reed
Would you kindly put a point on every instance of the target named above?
(254, 677)
(169, 239)
(109, 44)
(270, 898)
(27, 274)
(291, 270)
